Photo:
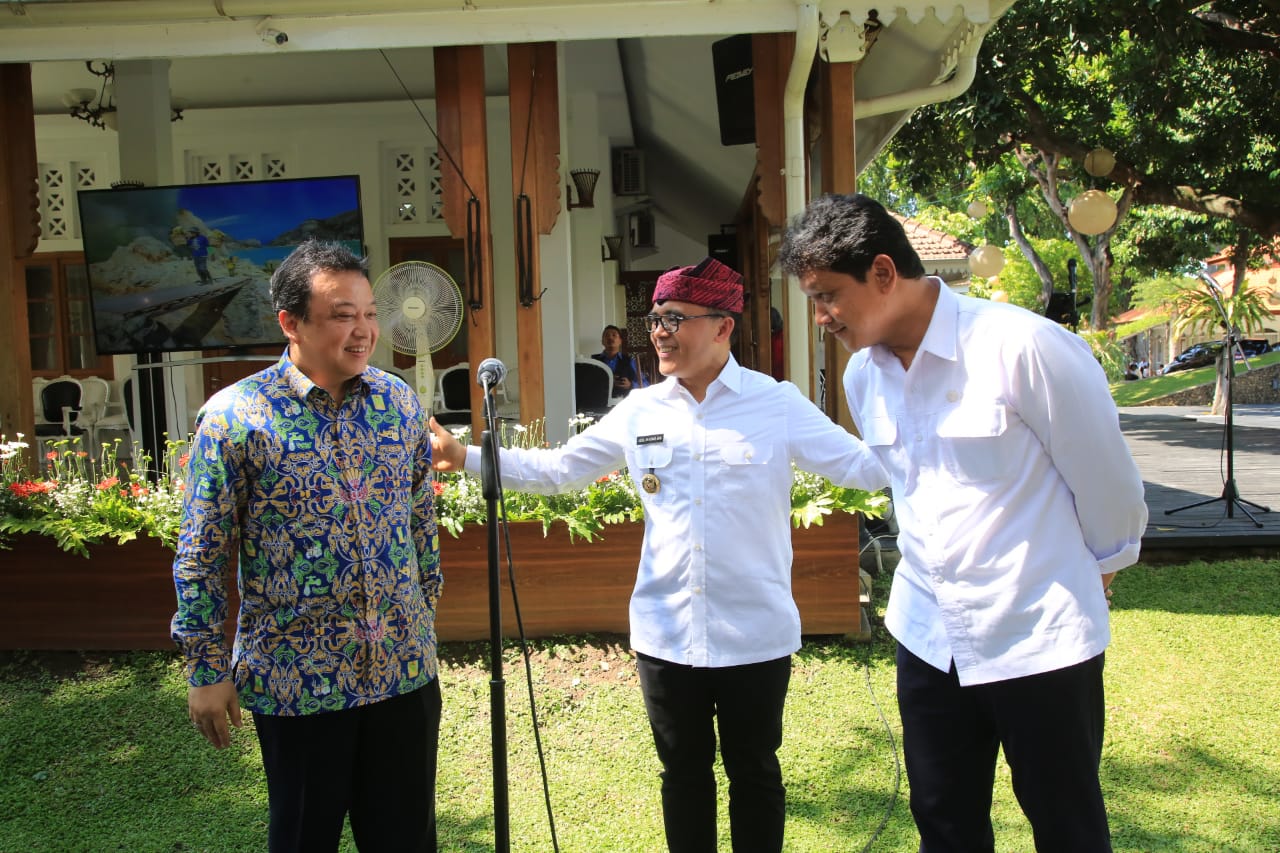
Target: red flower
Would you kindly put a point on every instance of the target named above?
(51, 455)
(30, 487)
(82, 454)
(183, 459)
(108, 483)
(438, 487)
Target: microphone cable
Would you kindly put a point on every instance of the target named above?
(888, 729)
(528, 667)
(523, 640)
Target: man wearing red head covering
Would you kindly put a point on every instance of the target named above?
(713, 622)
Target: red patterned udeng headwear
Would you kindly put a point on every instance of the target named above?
(709, 283)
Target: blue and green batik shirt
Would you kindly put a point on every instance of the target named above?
(331, 505)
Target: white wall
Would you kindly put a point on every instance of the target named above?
(352, 139)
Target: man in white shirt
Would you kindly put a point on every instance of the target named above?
(1017, 501)
(713, 621)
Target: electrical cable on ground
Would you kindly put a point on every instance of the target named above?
(893, 743)
(528, 671)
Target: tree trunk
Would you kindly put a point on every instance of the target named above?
(1030, 253)
(1225, 360)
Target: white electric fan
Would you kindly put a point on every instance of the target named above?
(420, 307)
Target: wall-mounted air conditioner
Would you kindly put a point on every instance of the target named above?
(628, 171)
(641, 230)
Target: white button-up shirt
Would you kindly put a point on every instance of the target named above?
(1013, 487)
(713, 587)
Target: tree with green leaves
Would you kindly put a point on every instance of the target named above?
(1204, 306)
(1184, 94)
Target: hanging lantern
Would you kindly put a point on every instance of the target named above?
(977, 209)
(1092, 212)
(999, 296)
(986, 261)
(1099, 162)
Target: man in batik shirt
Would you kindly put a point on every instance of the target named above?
(319, 469)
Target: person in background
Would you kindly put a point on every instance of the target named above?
(626, 370)
(1017, 501)
(198, 246)
(777, 369)
(319, 468)
(713, 622)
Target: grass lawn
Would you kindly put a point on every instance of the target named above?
(1137, 392)
(96, 752)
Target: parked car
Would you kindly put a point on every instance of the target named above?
(1196, 355)
(1253, 347)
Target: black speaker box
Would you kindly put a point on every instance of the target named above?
(735, 97)
(724, 248)
(1062, 309)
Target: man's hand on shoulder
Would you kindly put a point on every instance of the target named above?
(209, 708)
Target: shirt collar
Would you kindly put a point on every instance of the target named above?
(302, 386)
(940, 338)
(730, 377)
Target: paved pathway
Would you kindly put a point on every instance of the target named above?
(1181, 452)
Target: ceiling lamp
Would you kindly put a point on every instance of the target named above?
(96, 107)
(1099, 162)
(977, 209)
(1092, 212)
(986, 261)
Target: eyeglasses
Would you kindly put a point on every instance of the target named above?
(671, 322)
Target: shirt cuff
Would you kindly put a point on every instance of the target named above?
(1123, 558)
(472, 465)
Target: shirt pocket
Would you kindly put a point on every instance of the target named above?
(652, 459)
(879, 431)
(745, 468)
(974, 444)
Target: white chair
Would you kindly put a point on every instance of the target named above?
(592, 387)
(60, 404)
(507, 395)
(117, 416)
(93, 406)
(454, 384)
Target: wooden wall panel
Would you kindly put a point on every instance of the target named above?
(19, 235)
(535, 175)
(463, 130)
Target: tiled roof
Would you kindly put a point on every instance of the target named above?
(933, 245)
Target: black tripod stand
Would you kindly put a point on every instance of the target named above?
(1230, 494)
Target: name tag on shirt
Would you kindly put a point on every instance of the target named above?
(642, 440)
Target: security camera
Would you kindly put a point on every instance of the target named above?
(274, 37)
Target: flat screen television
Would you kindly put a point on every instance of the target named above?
(188, 267)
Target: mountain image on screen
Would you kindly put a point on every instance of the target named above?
(189, 267)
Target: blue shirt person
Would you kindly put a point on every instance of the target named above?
(198, 246)
(626, 371)
(310, 484)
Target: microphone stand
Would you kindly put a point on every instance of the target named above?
(491, 481)
(1230, 494)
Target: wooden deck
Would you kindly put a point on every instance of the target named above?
(1183, 461)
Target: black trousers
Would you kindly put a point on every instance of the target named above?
(377, 762)
(684, 703)
(1050, 726)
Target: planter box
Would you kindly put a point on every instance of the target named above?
(122, 596)
(582, 587)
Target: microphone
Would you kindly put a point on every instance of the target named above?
(491, 372)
